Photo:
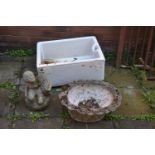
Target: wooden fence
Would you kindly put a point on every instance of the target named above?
(28, 36)
(136, 47)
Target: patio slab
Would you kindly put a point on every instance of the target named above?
(4, 123)
(54, 109)
(72, 124)
(29, 63)
(132, 99)
(152, 123)
(132, 103)
(51, 123)
(9, 71)
(20, 107)
(7, 58)
(129, 124)
(120, 77)
(101, 125)
(149, 84)
(5, 106)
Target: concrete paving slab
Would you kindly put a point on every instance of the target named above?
(51, 123)
(20, 107)
(152, 124)
(101, 125)
(29, 63)
(132, 103)
(9, 71)
(149, 84)
(54, 108)
(4, 123)
(72, 124)
(7, 58)
(129, 124)
(120, 77)
(5, 105)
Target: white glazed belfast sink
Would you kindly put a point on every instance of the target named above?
(67, 60)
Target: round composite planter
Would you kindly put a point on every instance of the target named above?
(89, 101)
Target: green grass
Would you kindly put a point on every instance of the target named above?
(148, 93)
(33, 116)
(65, 115)
(8, 85)
(139, 74)
(13, 91)
(109, 56)
(145, 117)
(149, 96)
(16, 116)
(19, 52)
(114, 117)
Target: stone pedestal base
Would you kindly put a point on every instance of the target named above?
(33, 105)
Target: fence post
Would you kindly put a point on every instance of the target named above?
(120, 46)
(149, 46)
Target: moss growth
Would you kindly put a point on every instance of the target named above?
(139, 74)
(14, 92)
(148, 93)
(145, 117)
(109, 55)
(15, 117)
(65, 115)
(19, 52)
(149, 96)
(33, 116)
(114, 117)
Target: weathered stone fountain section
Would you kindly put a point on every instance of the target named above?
(89, 101)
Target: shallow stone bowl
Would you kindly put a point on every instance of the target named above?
(103, 97)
